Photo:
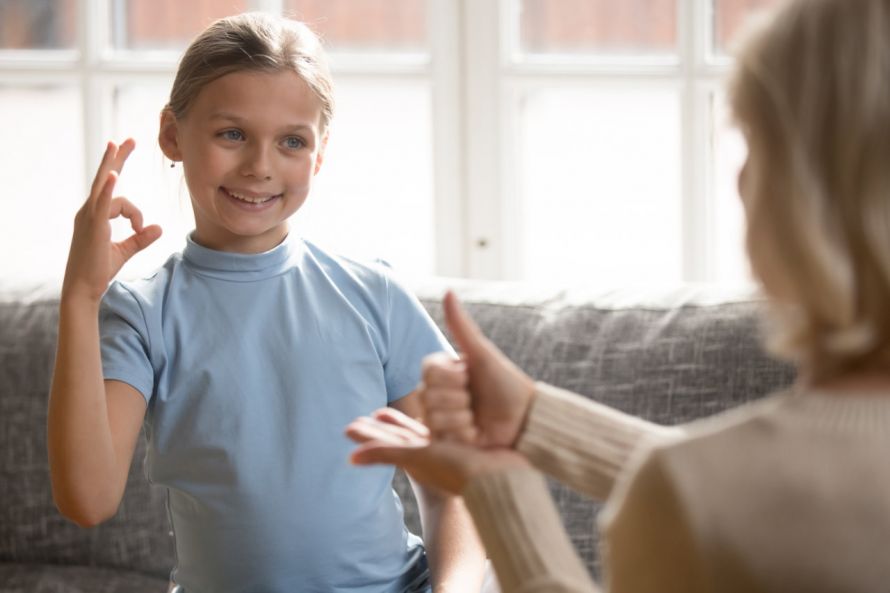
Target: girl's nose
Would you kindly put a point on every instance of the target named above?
(257, 163)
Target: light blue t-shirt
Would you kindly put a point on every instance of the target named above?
(252, 365)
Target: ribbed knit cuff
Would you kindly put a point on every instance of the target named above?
(523, 534)
(580, 442)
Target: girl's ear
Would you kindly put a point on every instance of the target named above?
(168, 138)
(319, 158)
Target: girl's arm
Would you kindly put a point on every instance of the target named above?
(93, 424)
(456, 555)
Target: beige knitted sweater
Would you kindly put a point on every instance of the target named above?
(791, 493)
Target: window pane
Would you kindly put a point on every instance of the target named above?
(729, 15)
(374, 194)
(147, 180)
(165, 24)
(731, 262)
(598, 26)
(378, 25)
(599, 174)
(37, 24)
(40, 200)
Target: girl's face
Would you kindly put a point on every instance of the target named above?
(250, 146)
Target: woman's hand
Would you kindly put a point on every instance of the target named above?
(390, 437)
(482, 398)
(94, 259)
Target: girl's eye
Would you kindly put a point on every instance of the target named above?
(294, 142)
(232, 135)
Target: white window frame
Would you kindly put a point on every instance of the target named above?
(493, 81)
(474, 84)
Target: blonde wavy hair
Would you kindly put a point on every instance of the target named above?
(811, 93)
(258, 42)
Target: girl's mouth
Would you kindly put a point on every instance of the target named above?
(253, 200)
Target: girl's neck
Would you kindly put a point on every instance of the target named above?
(246, 245)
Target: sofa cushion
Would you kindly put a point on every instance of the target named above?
(31, 529)
(43, 578)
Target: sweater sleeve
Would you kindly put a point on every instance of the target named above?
(523, 534)
(583, 443)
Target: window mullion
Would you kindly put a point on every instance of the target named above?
(447, 82)
(695, 207)
(92, 42)
(273, 6)
(483, 106)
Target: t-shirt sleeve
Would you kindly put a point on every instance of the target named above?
(412, 335)
(124, 340)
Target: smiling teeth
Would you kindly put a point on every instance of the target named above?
(248, 198)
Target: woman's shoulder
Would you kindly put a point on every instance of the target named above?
(771, 449)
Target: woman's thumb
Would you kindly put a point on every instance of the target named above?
(464, 330)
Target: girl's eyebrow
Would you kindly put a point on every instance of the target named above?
(240, 120)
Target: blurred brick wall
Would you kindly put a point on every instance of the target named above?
(391, 23)
(44, 24)
(173, 23)
(606, 23)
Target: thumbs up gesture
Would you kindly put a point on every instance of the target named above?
(483, 398)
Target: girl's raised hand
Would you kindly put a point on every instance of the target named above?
(94, 259)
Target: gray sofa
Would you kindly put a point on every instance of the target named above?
(670, 356)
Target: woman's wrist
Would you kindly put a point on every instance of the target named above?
(529, 392)
(485, 463)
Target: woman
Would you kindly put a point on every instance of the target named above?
(791, 493)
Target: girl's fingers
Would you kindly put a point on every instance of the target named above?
(102, 172)
(102, 202)
(123, 207)
(139, 241)
(123, 152)
(112, 160)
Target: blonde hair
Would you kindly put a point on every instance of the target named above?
(811, 93)
(257, 42)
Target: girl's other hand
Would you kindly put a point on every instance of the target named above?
(393, 438)
(94, 259)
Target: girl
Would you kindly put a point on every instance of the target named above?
(791, 493)
(244, 355)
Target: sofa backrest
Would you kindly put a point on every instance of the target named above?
(669, 356)
(31, 529)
